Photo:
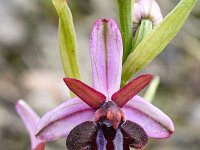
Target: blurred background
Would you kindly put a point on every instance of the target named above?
(30, 68)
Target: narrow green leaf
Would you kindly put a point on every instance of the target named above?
(157, 40)
(151, 91)
(67, 40)
(125, 16)
(142, 31)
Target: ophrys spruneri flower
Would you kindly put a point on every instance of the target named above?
(104, 116)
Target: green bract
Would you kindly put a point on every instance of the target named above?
(67, 40)
(143, 30)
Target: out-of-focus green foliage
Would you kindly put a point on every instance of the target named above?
(151, 91)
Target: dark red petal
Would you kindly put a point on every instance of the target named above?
(89, 95)
(134, 135)
(82, 137)
(122, 96)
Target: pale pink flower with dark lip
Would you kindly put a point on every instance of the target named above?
(104, 116)
(30, 119)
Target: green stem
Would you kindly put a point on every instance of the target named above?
(125, 16)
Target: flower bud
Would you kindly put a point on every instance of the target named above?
(146, 9)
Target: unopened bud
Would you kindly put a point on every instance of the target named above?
(146, 9)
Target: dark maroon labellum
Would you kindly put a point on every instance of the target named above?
(88, 136)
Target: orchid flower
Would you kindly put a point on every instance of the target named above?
(104, 116)
(30, 119)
